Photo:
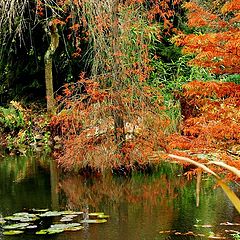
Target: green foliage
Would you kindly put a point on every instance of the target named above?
(231, 78)
(172, 75)
(11, 119)
(236, 236)
(169, 77)
(22, 128)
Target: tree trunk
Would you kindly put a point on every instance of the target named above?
(48, 66)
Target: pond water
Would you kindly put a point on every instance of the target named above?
(160, 205)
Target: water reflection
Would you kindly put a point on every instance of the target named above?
(24, 183)
(140, 207)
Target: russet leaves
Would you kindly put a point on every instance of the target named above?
(217, 47)
(211, 123)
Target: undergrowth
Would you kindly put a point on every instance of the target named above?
(22, 128)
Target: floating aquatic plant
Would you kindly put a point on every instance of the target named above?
(58, 228)
(66, 219)
(40, 210)
(103, 216)
(94, 221)
(64, 226)
(48, 231)
(13, 232)
(50, 214)
(31, 227)
(16, 226)
(203, 226)
(22, 217)
(96, 214)
(24, 220)
(70, 213)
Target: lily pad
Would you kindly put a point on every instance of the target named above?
(96, 214)
(54, 231)
(75, 228)
(68, 212)
(21, 214)
(203, 226)
(64, 226)
(40, 210)
(50, 214)
(230, 224)
(49, 231)
(16, 226)
(103, 216)
(12, 232)
(66, 219)
(94, 221)
(42, 232)
(31, 227)
(58, 228)
(71, 215)
(12, 218)
(26, 219)
(22, 217)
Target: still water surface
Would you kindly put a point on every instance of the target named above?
(140, 207)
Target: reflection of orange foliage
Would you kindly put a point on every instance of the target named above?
(139, 201)
(159, 190)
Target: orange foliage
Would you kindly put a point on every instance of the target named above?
(229, 6)
(199, 17)
(212, 120)
(40, 8)
(86, 126)
(217, 48)
(85, 120)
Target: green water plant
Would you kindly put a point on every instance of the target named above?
(16, 226)
(13, 232)
(21, 221)
(94, 221)
(58, 228)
